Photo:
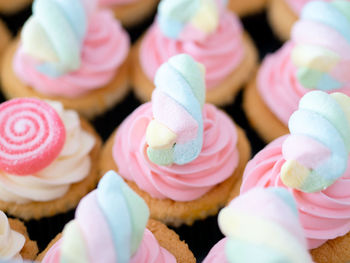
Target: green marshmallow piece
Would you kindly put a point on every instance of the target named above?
(161, 157)
(309, 78)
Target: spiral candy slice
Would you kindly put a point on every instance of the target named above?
(31, 136)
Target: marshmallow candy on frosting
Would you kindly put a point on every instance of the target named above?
(260, 226)
(109, 226)
(312, 163)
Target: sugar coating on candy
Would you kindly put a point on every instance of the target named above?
(32, 135)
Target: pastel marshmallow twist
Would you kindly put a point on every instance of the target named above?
(317, 150)
(322, 45)
(176, 133)
(32, 135)
(109, 224)
(54, 34)
(251, 220)
(189, 19)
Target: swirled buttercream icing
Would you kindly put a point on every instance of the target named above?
(11, 242)
(316, 57)
(176, 147)
(109, 226)
(322, 50)
(248, 223)
(312, 163)
(178, 30)
(26, 130)
(69, 47)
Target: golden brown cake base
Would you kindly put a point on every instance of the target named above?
(5, 37)
(281, 18)
(30, 248)
(37, 210)
(134, 13)
(223, 94)
(264, 122)
(13, 6)
(246, 7)
(89, 105)
(177, 213)
(167, 239)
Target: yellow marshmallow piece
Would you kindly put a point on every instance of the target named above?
(159, 136)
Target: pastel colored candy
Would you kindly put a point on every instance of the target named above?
(31, 136)
(322, 51)
(317, 150)
(176, 134)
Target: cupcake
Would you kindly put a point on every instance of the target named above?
(182, 156)
(207, 31)
(5, 37)
(10, 7)
(111, 225)
(317, 57)
(131, 12)
(282, 14)
(262, 226)
(77, 55)
(247, 7)
(14, 240)
(312, 163)
(46, 158)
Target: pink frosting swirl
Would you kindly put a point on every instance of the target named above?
(105, 48)
(297, 5)
(217, 253)
(278, 85)
(148, 252)
(220, 53)
(108, 3)
(216, 162)
(324, 215)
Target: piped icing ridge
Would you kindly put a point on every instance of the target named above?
(248, 223)
(314, 159)
(11, 242)
(180, 92)
(109, 226)
(55, 64)
(277, 79)
(71, 163)
(212, 161)
(220, 51)
(317, 150)
(322, 50)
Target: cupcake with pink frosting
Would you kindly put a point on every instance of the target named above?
(282, 14)
(46, 158)
(181, 155)
(261, 226)
(312, 163)
(131, 12)
(70, 51)
(205, 30)
(317, 58)
(111, 225)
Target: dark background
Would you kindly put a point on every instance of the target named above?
(203, 234)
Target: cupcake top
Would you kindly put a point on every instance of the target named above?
(204, 29)
(312, 163)
(317, 57)
(43, 150)
(250, 221)
(176, 146)
(109, 226)
(70, 47)
(11, 242)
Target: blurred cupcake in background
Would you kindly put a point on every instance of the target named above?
(9, 7)
(205, 30)
(131, 12)
(70, 51)
(316, 58)
(247, 7)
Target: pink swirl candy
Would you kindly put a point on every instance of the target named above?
(104, 50)
(220, 53)
(31, 136)
(216, 162)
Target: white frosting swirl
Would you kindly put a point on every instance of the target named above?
(11, 242)
(72, 165)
